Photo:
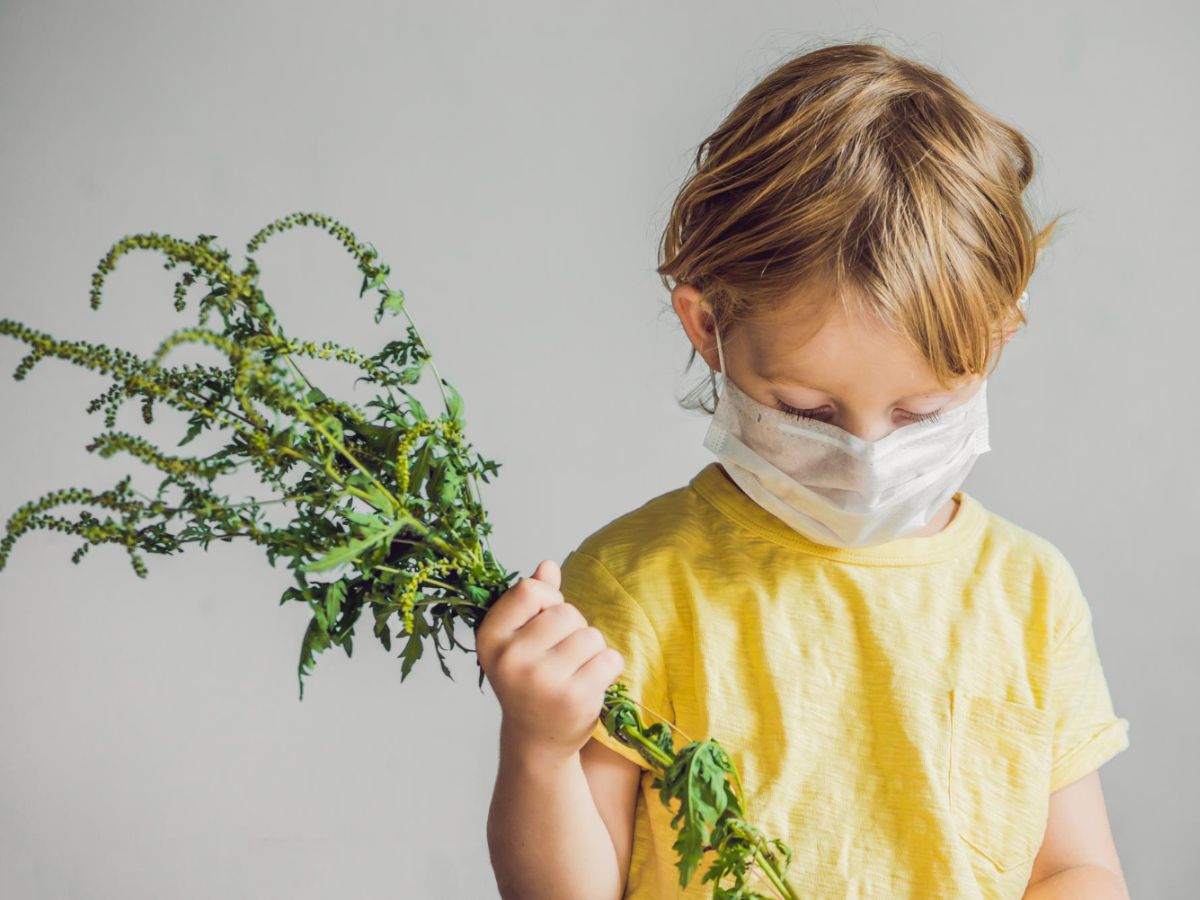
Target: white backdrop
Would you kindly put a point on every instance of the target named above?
(514, 164)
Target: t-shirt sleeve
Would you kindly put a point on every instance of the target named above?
(1087, 732)
(592, 589)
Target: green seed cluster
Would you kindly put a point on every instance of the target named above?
(31, 515)
(114, 441)
(344, 235)
(426, 569)
(213, 263)
(97, 357)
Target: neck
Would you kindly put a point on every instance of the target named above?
(944, 517)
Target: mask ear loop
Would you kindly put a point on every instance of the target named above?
(712, 375)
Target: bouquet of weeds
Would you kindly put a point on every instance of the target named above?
(387, 510)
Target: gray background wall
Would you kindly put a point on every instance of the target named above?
(515, 163)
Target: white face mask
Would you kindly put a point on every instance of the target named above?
(835, 488)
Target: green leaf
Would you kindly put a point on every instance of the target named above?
(418, 410)
(451, 483)
(335, 593)
(393, 302)
(475, 592)
(362, 518)
(333, 425)
(454, 402)
(413, 649)
(433, 484)
(282, 438)
(196, 426)
(348, 552)
(315, 640)
(376, 497)
(697, 778)
(383, 613)
(295, 593)
(416, 474)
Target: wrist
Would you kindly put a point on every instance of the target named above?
(527, 754)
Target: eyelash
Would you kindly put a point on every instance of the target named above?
(808, 413)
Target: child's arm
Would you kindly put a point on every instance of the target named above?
(614, 782)
(1078, 857)
(550, 670)
(546, 835)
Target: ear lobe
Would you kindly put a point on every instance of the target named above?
(696, 316)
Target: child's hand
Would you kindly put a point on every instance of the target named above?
(548, 667)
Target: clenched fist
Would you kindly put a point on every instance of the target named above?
(548, 667)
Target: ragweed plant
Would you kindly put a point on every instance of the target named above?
(386, 502)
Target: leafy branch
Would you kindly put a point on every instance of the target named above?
(385, 501)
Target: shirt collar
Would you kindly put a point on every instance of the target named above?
(951, 542)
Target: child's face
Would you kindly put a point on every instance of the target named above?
(853, 373)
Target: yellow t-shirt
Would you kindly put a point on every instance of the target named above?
(899, 714)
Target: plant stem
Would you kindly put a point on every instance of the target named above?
(472, 483)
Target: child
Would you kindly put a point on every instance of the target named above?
(907, 682)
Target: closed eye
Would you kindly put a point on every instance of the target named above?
(812, 413)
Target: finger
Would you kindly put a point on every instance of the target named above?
(602, 669)
(570, 653)
(549, 627)
(516, 607)
(549, 572)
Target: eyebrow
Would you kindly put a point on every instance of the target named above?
(786, 382)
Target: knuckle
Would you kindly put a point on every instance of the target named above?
(546, 684)
(509, 666)
(592, 638)
(577, 693)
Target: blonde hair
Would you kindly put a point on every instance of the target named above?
(853, 167)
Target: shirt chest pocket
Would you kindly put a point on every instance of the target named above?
(1000, 758)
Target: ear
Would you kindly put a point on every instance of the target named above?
(696, 317)
(1015, 324)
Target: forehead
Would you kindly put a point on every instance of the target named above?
(838, 349)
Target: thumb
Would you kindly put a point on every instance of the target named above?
(549, 572)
